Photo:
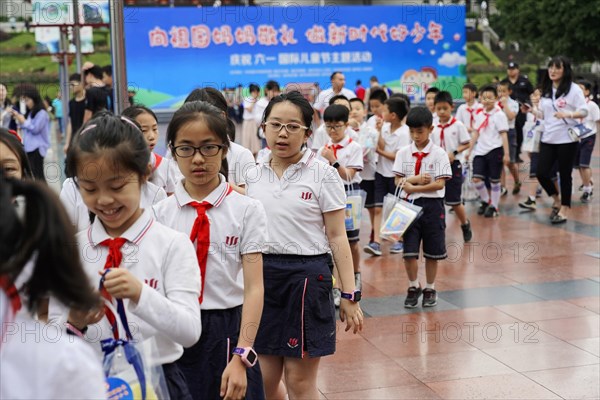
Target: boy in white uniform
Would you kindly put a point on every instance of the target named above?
(511, 109)
(586, 146)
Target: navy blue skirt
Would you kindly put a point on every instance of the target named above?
(298, 315)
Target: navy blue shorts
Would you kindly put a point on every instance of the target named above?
(298, 314)
(584, 152)
(454, 185)
(203, 363)
(369, 187)
(512, 145)
(429, 229)
(383, 186)
(176, 382)
(489, 165)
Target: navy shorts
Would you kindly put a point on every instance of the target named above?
(383, 186)
(176, 382)
(369, 187)
(489, 165)
(298, 314)
(430, 229)
(454, 185)
(584, 152)
(203, 363)
(512, 145)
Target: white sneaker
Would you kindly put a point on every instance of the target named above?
(337, 296)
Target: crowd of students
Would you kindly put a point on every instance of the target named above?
(232, 258)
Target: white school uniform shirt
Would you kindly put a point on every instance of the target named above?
(238, 226)
(166, 175)
(367, 138)
(514, 107)
(394, 141)
(436, 164)
(296, 203)
(323, 98)
(349, 156)
(592, 118)
(239, 160)
(248, 102)
(466, 114)
(40, 361)
(263, 155)
(556, 129)
(372, 121)
(165, 261)
(454, 135)
(490, 137)
(78, 212)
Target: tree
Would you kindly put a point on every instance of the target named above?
(552, 27)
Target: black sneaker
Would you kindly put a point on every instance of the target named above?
(586, 197)
(429, 297)
(467, 232)
(528, 204)
(482, 208)
(412, 297)
(503, 191)
(516, 188)
(491, 212)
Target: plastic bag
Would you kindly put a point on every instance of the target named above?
(531, 138)
(397, 216)
(355, 202)
(132, 370)
(469, 193)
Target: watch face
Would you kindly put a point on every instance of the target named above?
(357, 295)
(251, 357)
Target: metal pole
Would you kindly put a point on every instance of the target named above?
(76, 36)
(117, 49)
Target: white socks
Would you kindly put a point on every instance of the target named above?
(496, 192)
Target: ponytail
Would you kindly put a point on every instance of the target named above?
(45, 236)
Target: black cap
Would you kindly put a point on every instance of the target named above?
(512, 65)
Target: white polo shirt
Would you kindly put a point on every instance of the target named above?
(436, 164)
(238, 226)
(466, 114)
(592, 118)
(78, 212)
(490, 137)
(512, 106)
(165, 261)
(323, 98)
(454, 135)
(393, 142)
(367, 138)
(263, 155)
(40, 361)
(166, 175)
(296, 203)
(556, 129)
(349, 156)
(239, 160)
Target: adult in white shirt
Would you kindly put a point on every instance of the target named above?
(561, 106)
(338, 80)
(272, 89)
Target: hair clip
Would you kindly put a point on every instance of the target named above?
(130, 122)
(15, 134)
(88, 128)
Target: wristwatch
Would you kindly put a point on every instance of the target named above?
(335, 165)
(353, 297)
(455, 152)
(247, 354)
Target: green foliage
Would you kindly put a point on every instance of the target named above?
(552, 27)
(478, 54)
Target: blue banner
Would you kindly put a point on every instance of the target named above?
(171, 51)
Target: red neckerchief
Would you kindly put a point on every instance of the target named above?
(442, 142)
(201, 235)
(420, 156)
(337, 146)
(112, 261)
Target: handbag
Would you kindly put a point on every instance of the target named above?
(128, 366)
(401, 215)
(355, 202)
